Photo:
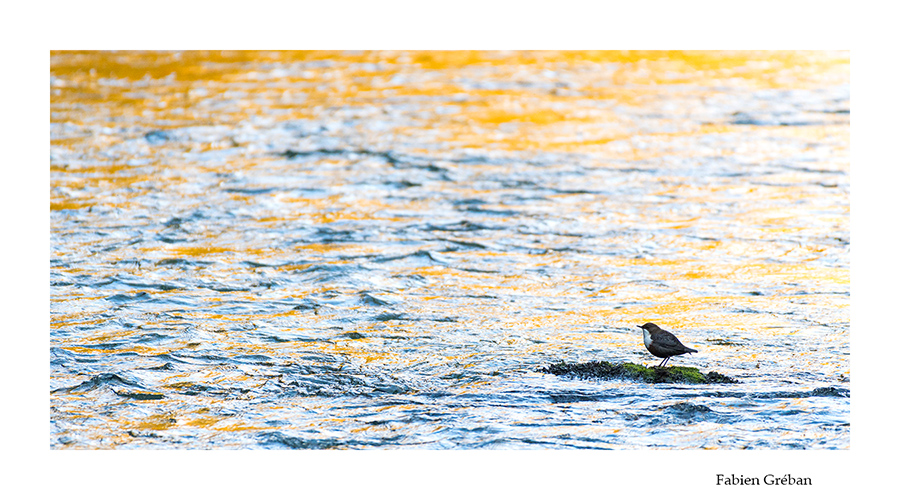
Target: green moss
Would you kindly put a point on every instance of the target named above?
(632, 371)
(691, 374)
(637, 371)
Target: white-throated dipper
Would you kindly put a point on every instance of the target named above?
(662, 344)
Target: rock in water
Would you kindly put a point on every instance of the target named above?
(655, 375)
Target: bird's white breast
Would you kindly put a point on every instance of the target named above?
(646, 338)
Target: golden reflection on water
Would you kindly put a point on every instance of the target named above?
(103, 101)
(191, 81)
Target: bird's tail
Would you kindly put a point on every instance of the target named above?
(691, 351)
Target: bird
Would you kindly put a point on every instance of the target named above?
(662, 344)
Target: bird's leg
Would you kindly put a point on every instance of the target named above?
(663, 362)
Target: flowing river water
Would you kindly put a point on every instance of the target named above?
(360, 250)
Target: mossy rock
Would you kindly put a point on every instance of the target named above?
(631, 371)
